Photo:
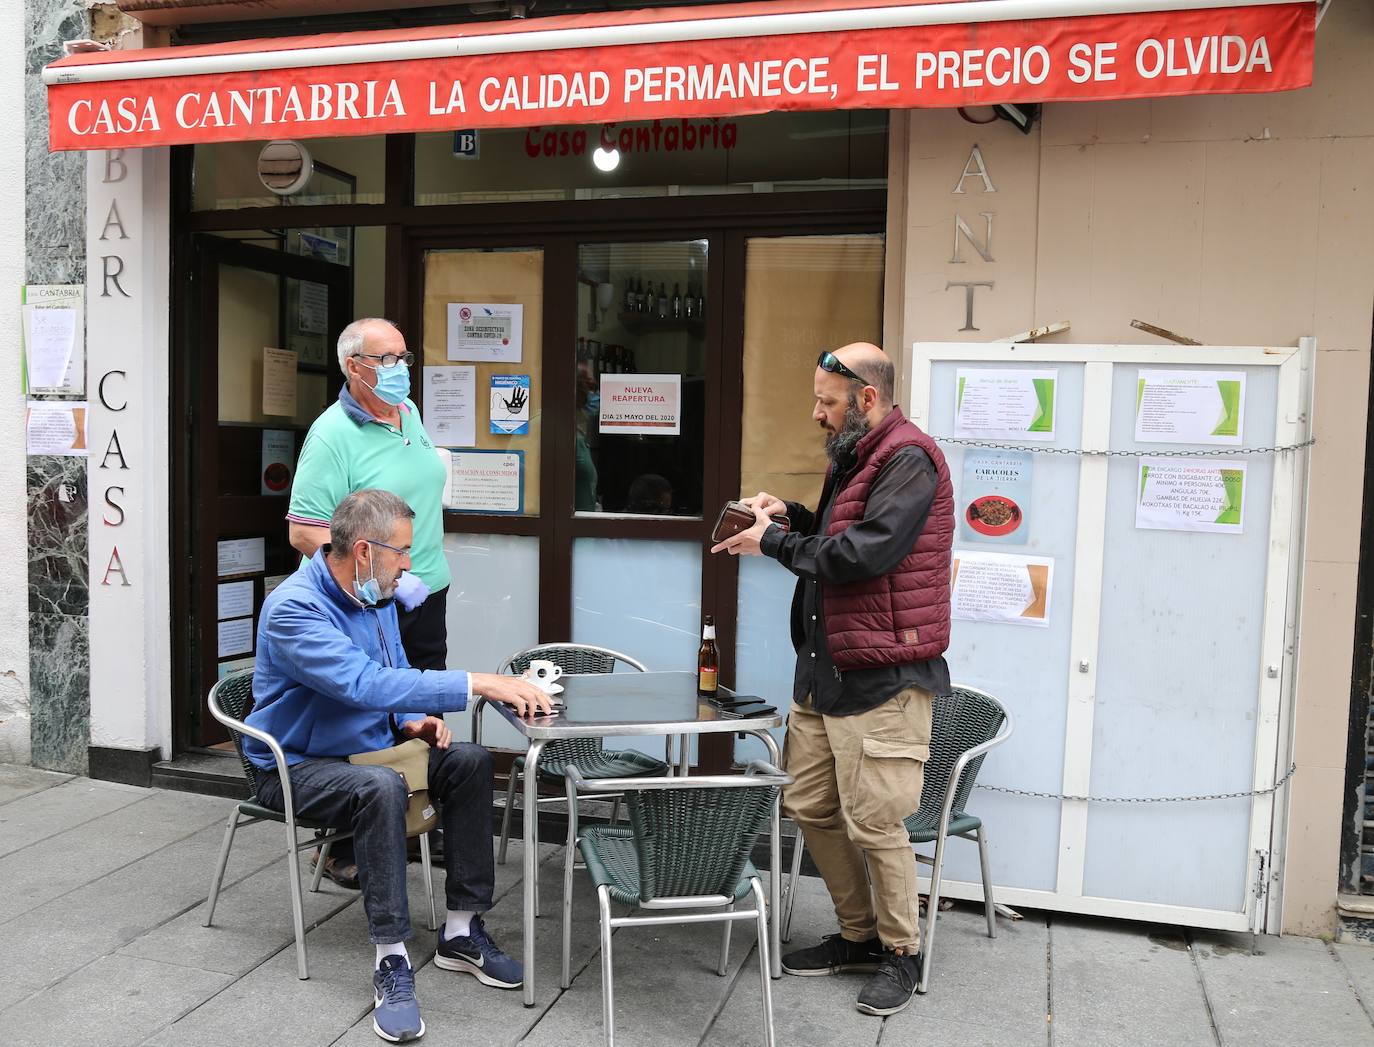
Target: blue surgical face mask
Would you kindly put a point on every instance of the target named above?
(393, 383)
(369, 593)
(593, 403)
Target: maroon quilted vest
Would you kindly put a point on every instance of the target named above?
(902, 616)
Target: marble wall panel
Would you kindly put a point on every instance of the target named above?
(55, 253)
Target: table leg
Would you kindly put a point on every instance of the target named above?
(774, 866)
(684, 759)
(530, 820)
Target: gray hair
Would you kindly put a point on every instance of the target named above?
(352, 339)
(369, 515)
(880, 374)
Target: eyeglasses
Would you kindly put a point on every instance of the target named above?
(830, 362)
(394, 548)
(388, 361)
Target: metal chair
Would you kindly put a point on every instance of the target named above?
(588, 755)
(230, 701)
(967, 723)
(687, 847)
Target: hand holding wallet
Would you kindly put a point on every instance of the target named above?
(737, 518)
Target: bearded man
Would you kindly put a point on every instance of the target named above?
(870, 624)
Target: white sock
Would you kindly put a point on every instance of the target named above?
(394, 949)
(458, 922)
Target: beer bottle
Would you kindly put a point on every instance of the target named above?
(708, 660)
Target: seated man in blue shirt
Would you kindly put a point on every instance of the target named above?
(332, 680)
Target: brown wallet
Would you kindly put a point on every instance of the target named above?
(737, 517)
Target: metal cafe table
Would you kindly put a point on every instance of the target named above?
(601, 705)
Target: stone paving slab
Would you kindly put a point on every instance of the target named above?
(110, 911)
(1358, 962)
(45, 871)
(17, 781)
(1293, 992)
(1111, 981)
(807, 1012)
(68, 805)
(116, 1001)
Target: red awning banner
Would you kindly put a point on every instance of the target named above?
(684, 63)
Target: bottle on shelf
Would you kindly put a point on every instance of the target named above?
(701, 305)
(629, 300)
(708, 660)
(662, 300)
(639, 296)
(677, 301)
(689, 304)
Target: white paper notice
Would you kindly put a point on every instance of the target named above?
(56, 427)
(1176, 494)
(649, 404)
(1005, 404)
(450, 411)
(314, 308)
(225, 668)
(271, 581)
(278, 382)
(1190, 407)
(235, 637)
(487, 482)
(485, 331)
(241, 556)
(54, 338)
(235, 599)
(51, 339)
(1000, 587)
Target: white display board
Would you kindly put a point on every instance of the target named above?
(1162, 669)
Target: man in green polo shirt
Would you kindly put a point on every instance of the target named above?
(372, 436)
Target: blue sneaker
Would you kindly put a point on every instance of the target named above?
(476, 954)
(396, 1012)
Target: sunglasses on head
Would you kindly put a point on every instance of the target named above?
(830, 362)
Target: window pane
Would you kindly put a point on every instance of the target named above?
(802, 295)
(641, 372)
(346, 171)
(498, 279)
(774, 152)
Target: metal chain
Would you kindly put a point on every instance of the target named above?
(1140, 799)
(1218, 452)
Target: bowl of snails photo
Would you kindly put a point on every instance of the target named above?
(993, 515)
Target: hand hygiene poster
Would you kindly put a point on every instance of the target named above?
(1005, 404)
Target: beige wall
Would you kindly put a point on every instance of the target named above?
(1232, 220)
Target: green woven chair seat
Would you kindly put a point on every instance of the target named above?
(611, 858)
(601, 763)
(923, 826)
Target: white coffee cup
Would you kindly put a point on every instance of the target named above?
(544, 673)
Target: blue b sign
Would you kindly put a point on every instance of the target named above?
(465, 144)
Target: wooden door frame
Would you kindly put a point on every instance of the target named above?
(198, 509)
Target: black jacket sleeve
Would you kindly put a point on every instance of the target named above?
(898, 505)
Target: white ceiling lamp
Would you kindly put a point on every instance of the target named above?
(606, 159)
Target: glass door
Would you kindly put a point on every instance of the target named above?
(262, 368)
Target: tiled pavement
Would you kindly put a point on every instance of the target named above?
(101, 888)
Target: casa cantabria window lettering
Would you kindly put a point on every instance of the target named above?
(112, 386)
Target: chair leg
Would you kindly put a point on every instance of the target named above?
(790, 898)
(932, 910)
(765, 966)
(325, 844)
(988, 904)
(603, 898)
(293, 872)
(429, 881)
(569, 858)
(221, 865)
(724, 964)
(615, 811)
(511, 780)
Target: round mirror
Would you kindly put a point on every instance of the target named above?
(284, 167)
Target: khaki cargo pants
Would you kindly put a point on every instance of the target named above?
(856, 778)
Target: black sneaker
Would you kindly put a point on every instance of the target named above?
(891, 989)
(835, 955)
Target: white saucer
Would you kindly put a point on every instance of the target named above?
(553, 688)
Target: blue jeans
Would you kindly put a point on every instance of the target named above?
(372, 802)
